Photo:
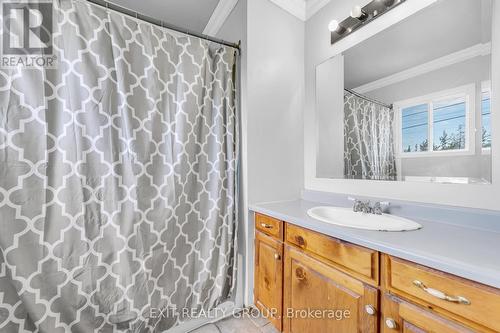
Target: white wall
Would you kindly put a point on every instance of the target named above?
(272, 102)
(234, 30)
(275, 102)
(330, 113)
(272, 85)
(318, 50)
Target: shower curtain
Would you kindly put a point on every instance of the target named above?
(368, 140)
(118, 178)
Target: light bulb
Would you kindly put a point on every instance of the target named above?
(333, 26)
(356, 11)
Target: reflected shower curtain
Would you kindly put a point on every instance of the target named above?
(368, 140)
(118, 191)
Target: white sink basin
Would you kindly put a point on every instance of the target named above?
(346, 217)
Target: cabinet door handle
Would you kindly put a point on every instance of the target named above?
(300, 274)
(266, 226)
(441, 295)
(391, 323)
(370, 310)
(277, 256)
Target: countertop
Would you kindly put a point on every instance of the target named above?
(463, 251)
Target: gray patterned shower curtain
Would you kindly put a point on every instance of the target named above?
(368, 140)
(118, 180)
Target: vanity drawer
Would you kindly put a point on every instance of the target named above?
(361, 262)
(399, 316)
(467, 300)
(269, 226)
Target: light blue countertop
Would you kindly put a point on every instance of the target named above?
(471, 253)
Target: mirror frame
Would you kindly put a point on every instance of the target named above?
(479, 196)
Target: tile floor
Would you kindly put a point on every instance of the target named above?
(247, 324)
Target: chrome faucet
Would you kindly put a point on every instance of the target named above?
(367, 208)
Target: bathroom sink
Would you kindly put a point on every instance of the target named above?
(346, 217)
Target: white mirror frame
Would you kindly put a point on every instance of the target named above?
(470, 195)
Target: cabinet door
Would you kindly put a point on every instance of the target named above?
(404, 317)
(321, 299)
(268, 290)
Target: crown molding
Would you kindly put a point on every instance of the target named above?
(302, 9)
(313, 6)
(295, 7)
(445, 61)
(219, 16)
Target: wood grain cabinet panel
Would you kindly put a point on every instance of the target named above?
(268, 290)
(465, 300)
(361, 262)
(403, 317)
(321, 299)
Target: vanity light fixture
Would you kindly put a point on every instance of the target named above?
(360, 16)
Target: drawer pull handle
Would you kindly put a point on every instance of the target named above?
(300, 241)
(300, 274)
(439, 294)
(266, 226)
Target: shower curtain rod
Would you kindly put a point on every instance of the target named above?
(389, 106)
(162, 24)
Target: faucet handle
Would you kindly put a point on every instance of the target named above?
(358, 205)
(378, 207)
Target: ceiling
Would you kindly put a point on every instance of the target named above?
(189, 14)
(446, 27)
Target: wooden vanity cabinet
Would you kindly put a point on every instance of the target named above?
(319, 298)
(308, 282)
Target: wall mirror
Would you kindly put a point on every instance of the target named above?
(411, 103)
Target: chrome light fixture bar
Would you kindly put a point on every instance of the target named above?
(361, 17)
